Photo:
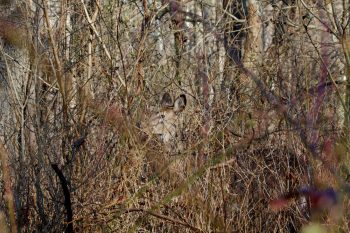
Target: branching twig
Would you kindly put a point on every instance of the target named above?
(92, 25)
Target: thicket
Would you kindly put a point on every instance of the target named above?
(264, 136)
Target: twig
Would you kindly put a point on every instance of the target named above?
(92, 25)
(164, 217)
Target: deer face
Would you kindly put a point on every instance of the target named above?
(165, 123)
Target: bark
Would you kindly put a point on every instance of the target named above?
(8, 193)
(346, 49)
(178, 23)
(253, 44)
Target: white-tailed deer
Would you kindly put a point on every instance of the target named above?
(165, 123)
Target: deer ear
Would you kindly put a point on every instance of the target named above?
(166, 100)
(180, 103)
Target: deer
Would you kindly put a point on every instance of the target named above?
(164, 123)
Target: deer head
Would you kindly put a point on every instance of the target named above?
(165, 123)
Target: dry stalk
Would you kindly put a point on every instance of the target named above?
(58, 65)
(92, 25)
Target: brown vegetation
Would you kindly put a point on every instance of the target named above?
(94, 142)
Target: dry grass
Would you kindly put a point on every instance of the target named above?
(83, 85)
